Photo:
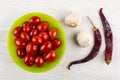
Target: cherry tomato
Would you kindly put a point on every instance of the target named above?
(20, 53)
(37, 40)
(50, 56)
(19, 43)
(26, 23)
(32, 26)
(56, 43)
(52, 33)
(29, 60)
(35, 20)
(17, 31)
(31, 49)
(44, 36)
(34, 32)
(24, 36)
(39, 61)
(43, 26)
(45, 47)
(26, 28)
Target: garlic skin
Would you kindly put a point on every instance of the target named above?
(73, 19)
(84, 39)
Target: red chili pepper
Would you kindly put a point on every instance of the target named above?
(95, 49)
(108, 37)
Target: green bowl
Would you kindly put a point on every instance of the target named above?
(60, 51)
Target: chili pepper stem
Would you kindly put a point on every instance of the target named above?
(107, 62)
(94, 28)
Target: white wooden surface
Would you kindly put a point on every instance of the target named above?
(96, 69)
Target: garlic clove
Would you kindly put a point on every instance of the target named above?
(84, 39)
(73, 19)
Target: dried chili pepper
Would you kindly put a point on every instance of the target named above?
(108, 37)
(95, 49)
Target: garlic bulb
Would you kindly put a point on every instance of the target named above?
(84, 39)
(73, 19)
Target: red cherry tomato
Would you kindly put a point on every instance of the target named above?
(20, 53)
(44, 36)
(52, 33)
(35, 20)
(39, 61)
(26, 28)
(43, 26)
(31, 49)
(32, 26)
(24, 36)
(50, 56)
(26, 23)
(34, 32)
(56, 43)
(19, 43)
(29, 60)
(37, 40)
(45, 47)
(17, 31)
